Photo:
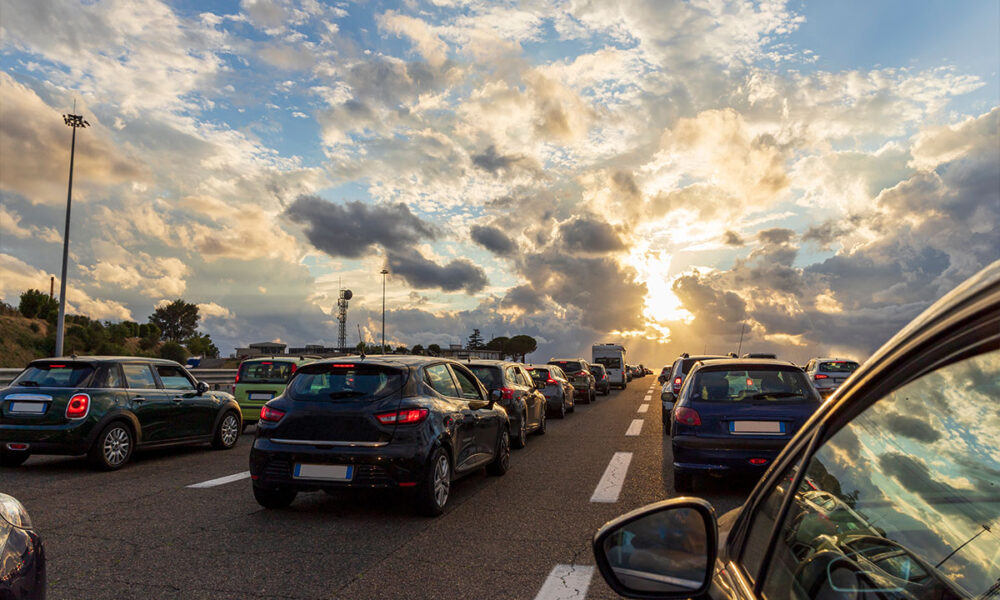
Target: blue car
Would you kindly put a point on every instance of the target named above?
(737, 415)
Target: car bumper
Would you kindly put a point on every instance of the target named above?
(709, 454)
(251, 410)
(67, 439)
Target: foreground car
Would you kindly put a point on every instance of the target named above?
(107, 407)
(393, 422)
(22, 555)
(893, 447)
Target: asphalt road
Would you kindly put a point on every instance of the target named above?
(142, 533)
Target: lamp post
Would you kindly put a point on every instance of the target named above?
(384, 273)
(73, 121)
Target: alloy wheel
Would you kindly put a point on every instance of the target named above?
(230, 430)
(442, 481)
(116, 446)
(505, 450)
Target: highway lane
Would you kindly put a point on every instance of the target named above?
(141, 532)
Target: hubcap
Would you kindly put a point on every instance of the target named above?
(116, 446)
(442, 482)
(230, 430)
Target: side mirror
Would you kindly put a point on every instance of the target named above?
(663, 550)
(202, 387)
(495, 396)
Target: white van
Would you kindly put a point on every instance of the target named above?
(612, 356)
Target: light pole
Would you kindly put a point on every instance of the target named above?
(384, 273)
(73, 121)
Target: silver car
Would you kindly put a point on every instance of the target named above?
(827, 374)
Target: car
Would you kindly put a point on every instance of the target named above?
(555, 386)
(22, 554)
(405, 423)
(525, 404)
(580, 376)
(106, 407)
(664, 375)
(612, 356)
(735, 415)
(259, 379)
(893, 445)
(672, 385)
(760, 355)
(827, 374)
(602, 383)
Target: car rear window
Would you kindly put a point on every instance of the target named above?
(597, 369)
(764, 386)
(265, 371)
(840, 366)
(539, 374)
(57, 375)
(570, 366)
(490, 376)
(342, 382)
(609, 362)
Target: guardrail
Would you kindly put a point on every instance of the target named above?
(217, 379)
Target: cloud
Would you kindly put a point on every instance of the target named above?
(583, 234)
(493, 239)
(427, 43)
(489, 160)
(16, 277)
(211, 310)
(731, 238)
(459, 274)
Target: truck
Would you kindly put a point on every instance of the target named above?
(612, 356)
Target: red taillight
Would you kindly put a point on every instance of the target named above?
(56, 366)
(677, 384)
(506, 394)
(758, 461)
(78, 406)
(603, 377)
(687, 416)
(403, 417)
(266, 363)
(551, 381)
(820, 376)
(295, 367)
(237, 379)
(582, 373)
(342, 366)
(270, 415)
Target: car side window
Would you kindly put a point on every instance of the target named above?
(467, 383)
(903, 498)
(525, 377)
(510, 374)
(139, 376)
(173, 378)
(439, 378)
(109, 376)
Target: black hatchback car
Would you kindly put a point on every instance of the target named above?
(393, 422)
(22, 555)
(888, 491)
(520, 396)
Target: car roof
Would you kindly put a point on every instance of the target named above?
(388, 360)
(567, 359)
(296, 358)
(101, 359)
(488, 362)
(748, 363)
(834, 359)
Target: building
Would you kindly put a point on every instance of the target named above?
(261, 349)
(457, 352)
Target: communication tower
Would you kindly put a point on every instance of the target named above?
(345, 295)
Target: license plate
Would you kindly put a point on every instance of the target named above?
(27, 408)
(260, 395)
(324, 472)
(756, 427)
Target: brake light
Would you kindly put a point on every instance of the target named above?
(820, 376)
(78, 406)
(758, 461)
(270, 415)
(506, 394)
(342, 366)
(56, 366)
(677, 384)
(403, 417)
(295, 367)
(687, 416)
(551, 381)
(266, 363)
(603, 377)
(237, 379)
(582, 373)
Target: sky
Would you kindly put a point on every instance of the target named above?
(668, 175)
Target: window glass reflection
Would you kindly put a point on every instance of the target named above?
(663, 551)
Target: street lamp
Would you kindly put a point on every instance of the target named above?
(73, 121)
(384, 273)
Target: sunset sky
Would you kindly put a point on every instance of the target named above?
(651, 172)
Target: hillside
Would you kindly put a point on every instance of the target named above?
(21, 340)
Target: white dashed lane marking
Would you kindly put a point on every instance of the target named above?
(221, 480)
(566, 582)
(635, 428)
(647, 398)
(643, 408)
(610, 485)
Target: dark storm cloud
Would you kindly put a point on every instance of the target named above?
(491, 161)
(912, 427)
(493, 239)
(776, 236)
(825, 234)
(526, 298)
(715, 311)
(351, 229)
(731, 238)
(584, 234)
(459, 274)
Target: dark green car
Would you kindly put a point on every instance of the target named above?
(106, 407)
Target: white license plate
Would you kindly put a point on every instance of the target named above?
(260, 396)
(28, 408)
(756, 427)
(324, 472)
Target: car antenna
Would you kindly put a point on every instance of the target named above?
(361, 343)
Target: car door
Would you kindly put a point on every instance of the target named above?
(194, 413)
(439, 378)
(536, 400)
(152, 406)
(512, 377)
(487, 424)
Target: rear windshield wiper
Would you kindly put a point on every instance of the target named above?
(774, 395)
(27, 383)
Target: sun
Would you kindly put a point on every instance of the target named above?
(661, 305)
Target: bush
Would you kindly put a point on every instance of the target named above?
(34, 327)
(37, 305)
(173, 351)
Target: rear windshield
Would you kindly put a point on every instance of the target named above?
(333, 382)
(57, 375)
(763, 386)
(597, 369)
(611, 362)
(539, 374)
(840, 366)
(265, 371)
(490, 376)
(570, 366)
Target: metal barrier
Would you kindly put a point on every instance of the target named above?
(217, 379)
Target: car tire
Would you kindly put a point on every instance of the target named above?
(273, 497)
(227, 432)
(501, 464)
(522, 433)
(561, 414)
(113, 447)
(683, 482)
(541, 425)
(592, 396)
(10, 458)
(572, 405)
(433, 492)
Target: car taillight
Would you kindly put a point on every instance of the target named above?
(603, 377)
(687, 416)
(295, 367)
(506, 394)
(582, 374)
(758, 461)
(78, 406)
(403, 417)
(270, 415)
(677, 384)
(237, 378)
(820, 376)
(551, 381)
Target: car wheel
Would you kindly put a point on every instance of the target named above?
(12, 459)
(592, 396)
(432, 495)
(112, 448)
(683, 481)
(541, 425)
(522, 432)
(501, 464)
(562, 408)
(273, 497)
(228, 432)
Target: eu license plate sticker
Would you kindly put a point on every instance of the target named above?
(756, 427)
(27, 408)
(260, 395)
(324, 472)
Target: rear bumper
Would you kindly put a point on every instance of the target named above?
(715, 454)
(67, 439)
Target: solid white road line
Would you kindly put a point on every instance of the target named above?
(221, 480)
(566, 582)
(643, 408)
(613, 479)
(635, 428)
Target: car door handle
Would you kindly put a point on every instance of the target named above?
(178, 399)
(138, 399)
